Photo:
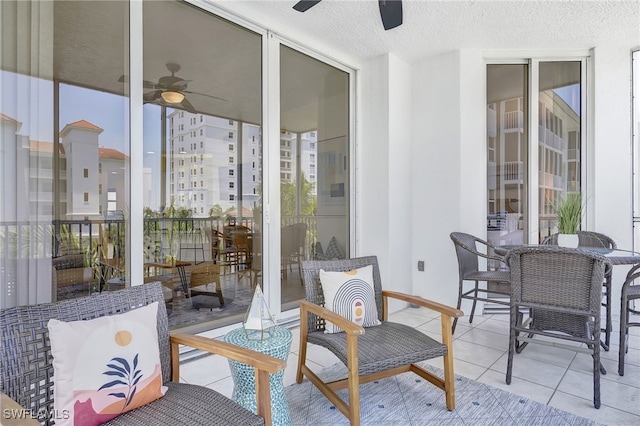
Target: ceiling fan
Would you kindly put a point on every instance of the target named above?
(170, 90)
(390, 11)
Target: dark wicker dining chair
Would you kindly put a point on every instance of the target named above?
(629, 293)
(562, 289)
(27, 374)
(370, 353)
(469, 250)
(598, 240)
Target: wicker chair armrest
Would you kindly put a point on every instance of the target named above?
(245, 355)
(426, 303)
(348, 326)
(479, 253)
(263, 363)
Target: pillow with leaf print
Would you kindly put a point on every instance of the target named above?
(350, 294)
(105, 366)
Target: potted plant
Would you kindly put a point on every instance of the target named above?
(569, 212)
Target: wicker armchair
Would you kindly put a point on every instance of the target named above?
(469, 250)
(596, 239)
(562, 289)
(375, 352)
(629, 293)
(27, 372)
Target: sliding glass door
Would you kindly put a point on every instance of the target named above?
(314, 166)
(517, 212)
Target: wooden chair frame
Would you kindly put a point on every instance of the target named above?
(353, 332)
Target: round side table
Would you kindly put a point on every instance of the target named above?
(244, 390)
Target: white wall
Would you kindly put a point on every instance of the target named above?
(436, 185)
(383, 170)
(612, 144)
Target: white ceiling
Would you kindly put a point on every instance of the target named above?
(433, 27)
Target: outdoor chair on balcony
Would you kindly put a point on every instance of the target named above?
(205, 286)
(562, 290)
(293, 240)
(27, 371)
(372, 352)
(598, 240)
(470, 250)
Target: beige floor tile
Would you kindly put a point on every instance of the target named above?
(223, 386)
(205, 370)
(480, 336)
(530, 390)
(475, 354)
(613, 394)
(321, 356)
(531, 370)
(408, 318)
(605, 415)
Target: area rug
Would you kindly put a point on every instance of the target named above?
(407, 399)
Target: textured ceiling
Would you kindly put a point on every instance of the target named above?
(434, 27)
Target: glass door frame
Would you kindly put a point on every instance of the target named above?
(586, 126)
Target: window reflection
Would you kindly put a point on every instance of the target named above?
(202, 164)
(314, 172)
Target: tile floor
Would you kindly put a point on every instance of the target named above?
(553, 376)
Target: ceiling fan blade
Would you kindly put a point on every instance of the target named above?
(187, 106)
(204, 94)
(145, 83)
(151, 96)
(179, 85)
(391, 13)
(304, 5)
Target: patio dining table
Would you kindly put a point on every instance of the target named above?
(615, 256)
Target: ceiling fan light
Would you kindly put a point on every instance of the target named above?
(172, 97)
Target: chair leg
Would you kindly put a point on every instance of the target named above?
(302, 354)
(624, 318)
(596, 374)
(513, 320)
(455, 320)
(608, 325)
(475, 298)
(354, 380)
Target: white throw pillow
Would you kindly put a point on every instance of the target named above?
(105, 366)
(350, 294)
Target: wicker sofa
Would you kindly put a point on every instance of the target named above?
(27, 375)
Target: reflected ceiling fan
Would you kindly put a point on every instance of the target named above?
(170, 90)
(390, 11)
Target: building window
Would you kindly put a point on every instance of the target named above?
(99, 167)
(230, 147)
(86, 173)
(230, 135)
(232, 197)
(201, 197)
(231, 122)
(100, 189)
(230, 160)
(232, 185)
(201, 144)
(231, 172)
(86, 197)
